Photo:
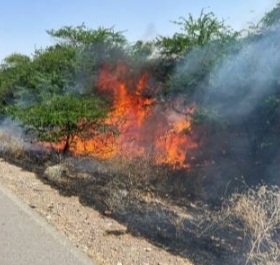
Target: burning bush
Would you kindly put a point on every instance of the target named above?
(177, 127)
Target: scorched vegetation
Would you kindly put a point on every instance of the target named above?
(178, 138)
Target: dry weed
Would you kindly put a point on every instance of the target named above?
(255, 215)
(11, 144)
(138, 172)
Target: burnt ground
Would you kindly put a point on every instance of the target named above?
(168, 207)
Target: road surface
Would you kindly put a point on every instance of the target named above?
(26, 238)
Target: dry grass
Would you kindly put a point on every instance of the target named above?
(11, 144)
(248, 224)
(139, 174)
(254, 218)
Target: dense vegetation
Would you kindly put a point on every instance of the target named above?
(233, 78)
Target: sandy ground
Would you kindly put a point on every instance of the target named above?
(102, 238)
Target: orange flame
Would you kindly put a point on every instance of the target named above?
(145, 127)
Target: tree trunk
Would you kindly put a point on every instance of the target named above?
(67, 145)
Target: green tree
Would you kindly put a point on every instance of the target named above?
(70, 64)
(195, 32)
(141, 49)
(81, 35)
(15, 73)
(194, 52)
(272, 17)
(93, 47)
(54, 68)
(60, 118)
(54, 88)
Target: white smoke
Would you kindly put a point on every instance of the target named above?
(242, 79)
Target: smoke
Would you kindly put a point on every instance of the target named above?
(150, 32)
(240, 81)
(240, 84)
(16, 138)
(248, 71)
(11, 135)
(10, 127)
(89, 60)
(228, 79)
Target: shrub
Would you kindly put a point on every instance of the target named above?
(253, 216)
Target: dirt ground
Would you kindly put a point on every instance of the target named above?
(105, 240)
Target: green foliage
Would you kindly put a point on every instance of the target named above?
(15, 60)
(61, 117)
(141, 50)
(210, 117)
(197, 49)
(81, 35)
(195, 32)
(230, 78)
(272, 17)
(83, 50)
(55, 58)
(54, 68)
(15, 72)
(183, 66)
(270, 109)
(41, 84)
(267, 120)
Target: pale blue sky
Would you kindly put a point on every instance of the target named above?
(23, 23)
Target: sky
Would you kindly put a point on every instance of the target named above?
(23, 23)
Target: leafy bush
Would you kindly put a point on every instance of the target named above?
(195, 32)
(60, 118)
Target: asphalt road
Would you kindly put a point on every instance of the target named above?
(26, 238)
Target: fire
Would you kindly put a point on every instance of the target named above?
(173, 144)
(145, 127)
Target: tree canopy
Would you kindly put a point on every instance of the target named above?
(60, 118)
(53, 92)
